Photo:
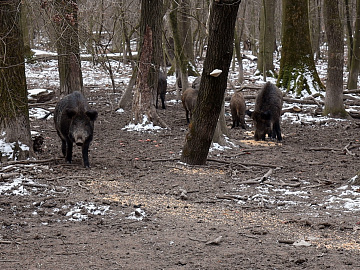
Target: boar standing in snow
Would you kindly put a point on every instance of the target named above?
(74, 123)
(267, 113)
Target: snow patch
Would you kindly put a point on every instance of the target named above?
(146, 125)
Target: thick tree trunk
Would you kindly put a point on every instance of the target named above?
(267, 38)
(238, 56)
(67, 43)
(355, 61)
(126, 98)
(14, 113)
(221, 129)
(315, 26)
(211, 93)
(143, 109)
(297, 67)
(334, 104)
(181, 38)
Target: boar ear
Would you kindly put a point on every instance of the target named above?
(248, 113)
(92, 114)
(70, 113)
(266, 115)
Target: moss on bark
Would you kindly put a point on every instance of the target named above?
(297, 74)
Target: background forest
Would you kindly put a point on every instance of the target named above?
(233, 202)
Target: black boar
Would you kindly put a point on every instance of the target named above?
(161, 90)
(188, 99)
(74, 123)
(267, 113)
(238, 108)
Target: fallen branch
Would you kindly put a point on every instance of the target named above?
(4, 176)
(244, 164)
(216, 241)
(30, 161)
(231, 197)
(258, 180)
(303, 101)
(346, 148)
(283, 184)
(352, 91)
(322, 149)
(35, 185)
(80, 185)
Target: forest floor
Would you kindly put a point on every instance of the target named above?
(255, 205)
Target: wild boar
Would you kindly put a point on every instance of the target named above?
(188, 99)
(161, 90)
(74, 123)
(267, 113)
(238, 108)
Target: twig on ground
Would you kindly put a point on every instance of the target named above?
(80, 185)
(4, 176)
(258, 180)
(40, 161)
(346, 148)
(231, 197)
(322, 149)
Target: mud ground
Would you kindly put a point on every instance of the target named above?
(138, 207)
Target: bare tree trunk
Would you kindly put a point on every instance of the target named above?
(315, 26)
(126, 98)
(355, 61)
(14, 112)
(181, 33)
(349, 32)
(67, 43)
(143, 109)
(212, 89)
(238, 55)
(265, 63)
(221, 129)
(297, 66)
(334, 104)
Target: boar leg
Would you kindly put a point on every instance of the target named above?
(187, 117)
(63, 147)
(69, 148)
(277, 131)
(85, 154)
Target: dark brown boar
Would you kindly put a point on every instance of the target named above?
(267, 113)
(238, 108)
(74, 123)
(188, 99)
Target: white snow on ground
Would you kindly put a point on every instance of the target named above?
(37, 113)
(146, 125)
(6, 148)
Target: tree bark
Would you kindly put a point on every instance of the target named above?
(67, 43)
(334, 104)
(267, 38)
(350, 40)
(143, 109)
(297, 67)
(211, 93)
(180, 26)
(14, 113)
(355, 61)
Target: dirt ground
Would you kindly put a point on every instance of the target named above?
(138, 207)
